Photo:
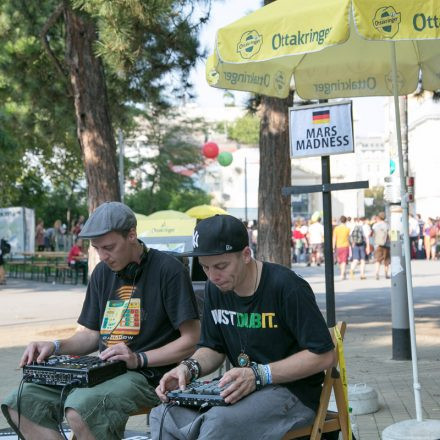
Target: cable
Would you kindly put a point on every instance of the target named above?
(66, 387)
(203, 406)
(61, 412)
(19, 394)
(167, 408)
(123, 312)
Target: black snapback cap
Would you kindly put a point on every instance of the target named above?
(220, 234)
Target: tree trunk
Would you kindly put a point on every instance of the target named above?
(274, 212)
(94, 128)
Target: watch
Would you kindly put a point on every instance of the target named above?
(57, 344)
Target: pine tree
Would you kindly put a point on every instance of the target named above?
(71, 71)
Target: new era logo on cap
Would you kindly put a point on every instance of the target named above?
(218, 235)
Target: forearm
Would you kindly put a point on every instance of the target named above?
(208, 359)
(82, 342)
(179, 349)
(300, 365)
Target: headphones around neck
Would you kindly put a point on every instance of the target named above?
(133, 270)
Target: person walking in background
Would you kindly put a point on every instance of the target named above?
(430, 236)
(77, 227)
(39, 235)
(341, 245)
(2, 269)
(414, 231)
(316, 241)
(427, 237)
(58, 237)
(49, 239)
(299, 243)
(360, 247)
(381, 244)
(421, 255)
(367, 232)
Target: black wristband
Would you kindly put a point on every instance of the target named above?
(139, 361)
(144, 359)
(258, 381)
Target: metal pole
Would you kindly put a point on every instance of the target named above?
(328, 245)
(406, 242)
(121, 164)
(245, 191)
(399, 295)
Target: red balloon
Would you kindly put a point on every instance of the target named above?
(210, 150)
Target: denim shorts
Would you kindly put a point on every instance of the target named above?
(358, 252)
(105, 407)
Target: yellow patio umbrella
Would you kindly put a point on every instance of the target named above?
(336, 49)
(165, 223)
(167, 230)
(204, 211)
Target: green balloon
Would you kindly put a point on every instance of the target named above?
(225, 158)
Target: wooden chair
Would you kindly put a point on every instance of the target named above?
(325, 420)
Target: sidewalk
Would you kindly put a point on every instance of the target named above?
(33, 310)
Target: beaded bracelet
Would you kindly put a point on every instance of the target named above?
(193, 368)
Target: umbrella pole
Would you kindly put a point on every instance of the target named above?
(406, 242)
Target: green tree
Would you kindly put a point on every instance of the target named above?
(376, 196)
(162, 171)
(245, 130)
(71, 69)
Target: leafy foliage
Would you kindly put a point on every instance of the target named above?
(378, 202)
(245, 130)
(162, 168)
(145, 46)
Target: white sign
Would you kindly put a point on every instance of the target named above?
(17, 226)
(321, 130)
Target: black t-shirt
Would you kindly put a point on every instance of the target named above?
(144, 315)
(281, 318)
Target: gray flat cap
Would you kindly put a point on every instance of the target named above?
(110, 216)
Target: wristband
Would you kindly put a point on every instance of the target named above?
(193, 368)
(139, 361)
(57, 347)
(265, 374)
(144, 357)
(258, 381)
(268, 373)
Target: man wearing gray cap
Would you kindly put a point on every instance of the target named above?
(265, 320)
(139, 308)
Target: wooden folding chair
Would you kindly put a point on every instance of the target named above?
(325, 420)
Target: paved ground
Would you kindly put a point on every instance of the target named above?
(35, 310)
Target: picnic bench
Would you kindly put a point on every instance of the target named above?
(48, 266)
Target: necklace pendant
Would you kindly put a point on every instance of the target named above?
(243, 360)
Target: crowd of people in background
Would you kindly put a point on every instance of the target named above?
(57, 237)
(356, 241)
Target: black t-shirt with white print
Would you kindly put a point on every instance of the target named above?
(146, 314)
(281, 318)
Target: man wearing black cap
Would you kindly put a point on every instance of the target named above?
(264, 319)
(139, 308)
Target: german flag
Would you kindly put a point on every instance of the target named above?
(321, 117)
